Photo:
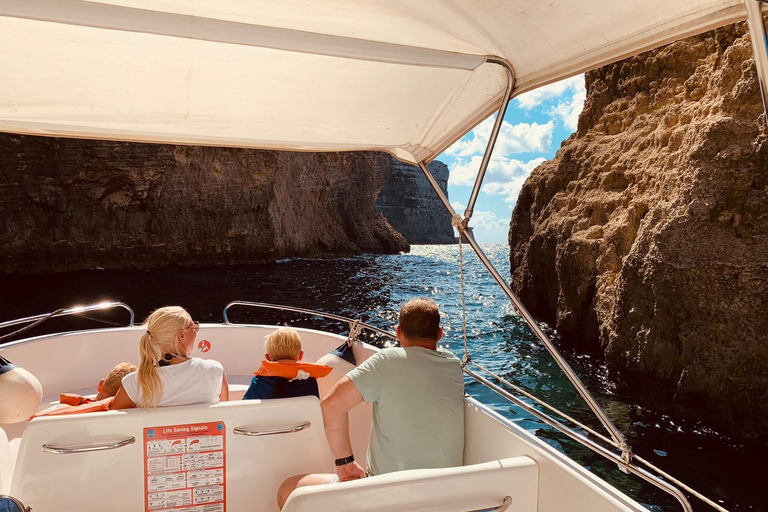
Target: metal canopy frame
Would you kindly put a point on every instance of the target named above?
(466, 232)
(759, 45)
(625, 462)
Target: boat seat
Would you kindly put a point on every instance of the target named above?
(238, 385)
(113, 479)
(458, 489)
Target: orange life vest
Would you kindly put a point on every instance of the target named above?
(75, 404)
(290, 369)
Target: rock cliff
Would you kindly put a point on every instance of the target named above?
(70, 204)
(647, 235)
(412, 207)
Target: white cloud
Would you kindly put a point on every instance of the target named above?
(513, 138)
(486, 219)
(504, 176)
(532, 99)
(457, 205)
(463, 172)
(569, 110)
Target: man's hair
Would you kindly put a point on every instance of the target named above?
(420, 320)
(113, 380)
(283, 343)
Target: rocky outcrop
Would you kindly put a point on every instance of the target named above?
(410, 204)
(70, 204)
(647, 235)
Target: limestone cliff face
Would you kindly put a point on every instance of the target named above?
(412, 207)
(647, 235)
(70, 204)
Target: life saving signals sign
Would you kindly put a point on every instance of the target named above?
(185, 468)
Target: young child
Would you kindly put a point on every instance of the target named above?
(282, 374)
(70, 403)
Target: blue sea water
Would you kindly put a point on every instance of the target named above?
(371, 288)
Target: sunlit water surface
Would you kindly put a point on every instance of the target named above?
(371, 288)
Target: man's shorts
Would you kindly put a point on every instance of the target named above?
(336, 480)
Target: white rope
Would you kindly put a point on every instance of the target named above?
(354, 331)
(467, 356)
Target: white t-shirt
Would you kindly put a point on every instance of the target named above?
(196, 381)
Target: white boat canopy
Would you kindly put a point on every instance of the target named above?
(409, 77)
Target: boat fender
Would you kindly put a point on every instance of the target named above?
(341, 360)
(21, 392)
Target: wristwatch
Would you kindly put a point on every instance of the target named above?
(344, 460)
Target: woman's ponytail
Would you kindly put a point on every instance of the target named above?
(150, 387)
(161, 337)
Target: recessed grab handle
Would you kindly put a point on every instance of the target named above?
(501, 508)
(271, 432)
(60, 450)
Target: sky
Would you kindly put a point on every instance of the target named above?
(534, 126)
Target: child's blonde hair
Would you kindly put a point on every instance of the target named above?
(283, 343)
(114, 379)
(160, 338)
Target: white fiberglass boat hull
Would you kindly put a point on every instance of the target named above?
(256, 465)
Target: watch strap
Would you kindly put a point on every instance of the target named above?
(344, 460)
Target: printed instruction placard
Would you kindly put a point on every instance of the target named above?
(185, 468)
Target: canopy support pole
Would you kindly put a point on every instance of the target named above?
(759, 46)
(466, 232)
(494, 135)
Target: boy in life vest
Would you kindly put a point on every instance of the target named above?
(282, 373)
(70, 403)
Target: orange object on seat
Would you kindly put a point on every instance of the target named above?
(290, 369)
(70, 403)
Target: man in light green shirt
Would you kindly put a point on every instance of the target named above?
(417, 393)
(418, 415)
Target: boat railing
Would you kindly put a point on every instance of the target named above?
(626, 458)
(648, 472)
(354, 325)
(36, 320)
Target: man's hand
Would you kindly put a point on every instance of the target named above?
(351, 471)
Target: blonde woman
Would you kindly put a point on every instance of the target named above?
(167, 375)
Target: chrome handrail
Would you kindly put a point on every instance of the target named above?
(71, 311)
(630, 466)
(240, 431)
(62, 450)
(759, 46)
(505, 503)
(465, 232)
(494, 133)
(598, 435)
(590, 431)
(313, 312)
(619, 441)
(467, 235)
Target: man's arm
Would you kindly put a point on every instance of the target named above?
(342, 397)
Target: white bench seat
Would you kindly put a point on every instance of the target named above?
(114, 479)
(238, 385)
(459, 489)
